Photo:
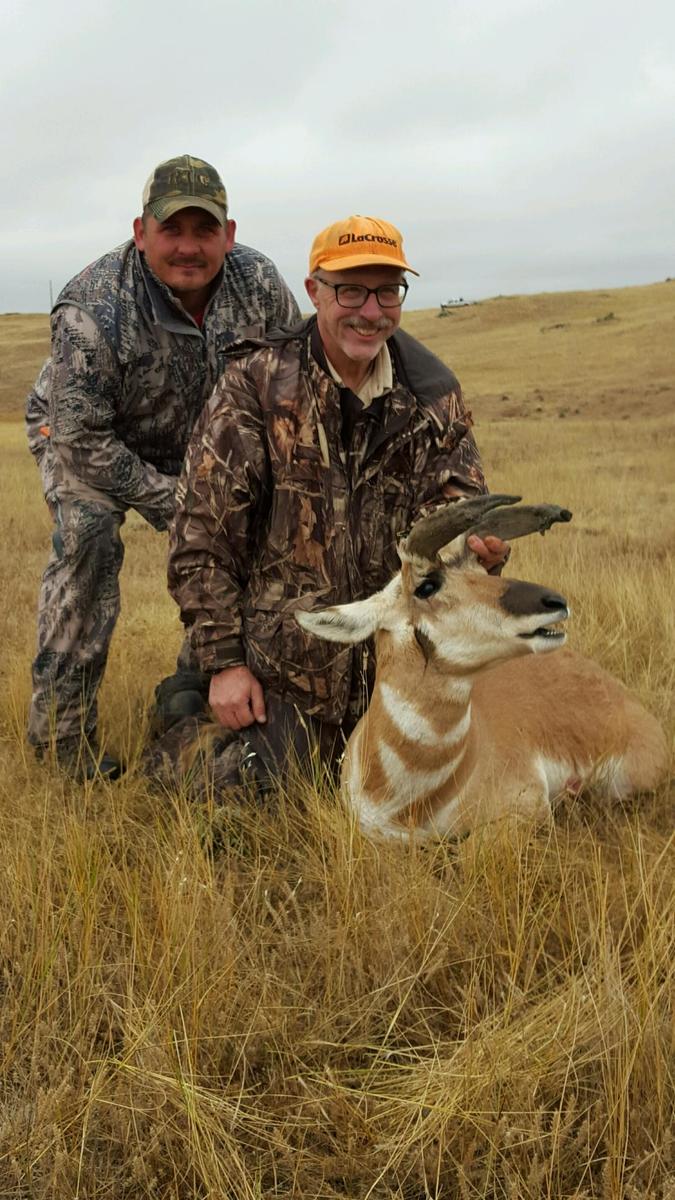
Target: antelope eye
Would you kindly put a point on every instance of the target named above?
(427, 588)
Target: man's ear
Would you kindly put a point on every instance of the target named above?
(230, 234)
(312, 287)
(139, 233)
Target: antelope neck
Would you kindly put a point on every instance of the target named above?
(419, 712)
(416, 750)
(429, 684)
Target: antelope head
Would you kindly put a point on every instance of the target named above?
(457, 613)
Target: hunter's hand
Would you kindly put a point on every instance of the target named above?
(492, 552)
(236, 698)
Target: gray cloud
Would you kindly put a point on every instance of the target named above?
(519, 144)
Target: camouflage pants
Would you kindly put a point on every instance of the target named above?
(199, 756)
(78, 606)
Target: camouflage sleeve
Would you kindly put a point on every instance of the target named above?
(39, 440)
(84, 397)
(37, 412)
(220, 498)
(453, 467)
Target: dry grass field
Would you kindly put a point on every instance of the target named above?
(288, 1010)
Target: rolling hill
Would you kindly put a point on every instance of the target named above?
(593, 353)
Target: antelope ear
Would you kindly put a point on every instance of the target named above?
(345, 622)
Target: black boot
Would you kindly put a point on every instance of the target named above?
(185, 694)
(81, 759)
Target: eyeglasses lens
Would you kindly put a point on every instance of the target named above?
(353, 296)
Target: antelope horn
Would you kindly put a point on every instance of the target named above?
(431, 533)
(510, 523)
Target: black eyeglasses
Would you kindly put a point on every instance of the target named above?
(353, 295)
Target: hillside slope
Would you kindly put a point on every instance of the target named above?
(598, 352)
(24, 345)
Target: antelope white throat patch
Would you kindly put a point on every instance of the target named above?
(409, 783)
(410, 722)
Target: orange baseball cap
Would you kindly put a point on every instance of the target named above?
(358, 242)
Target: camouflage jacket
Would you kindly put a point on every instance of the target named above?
(130, 371)
(274, 514)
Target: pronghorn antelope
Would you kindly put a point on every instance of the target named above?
(470, 720)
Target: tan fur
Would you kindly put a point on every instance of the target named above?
(527, 722)
(559, 705)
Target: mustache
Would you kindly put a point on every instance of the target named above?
(361, 322)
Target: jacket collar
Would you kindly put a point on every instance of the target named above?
(414, 366)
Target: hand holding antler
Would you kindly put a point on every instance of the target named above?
(492, 552)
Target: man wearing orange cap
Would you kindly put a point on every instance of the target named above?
(318, 448)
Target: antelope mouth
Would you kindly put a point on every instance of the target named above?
(549, 633)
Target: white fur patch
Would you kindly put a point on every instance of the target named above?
(407, 782)
(442, 822)
(554, 773)
(609, 774)
(612, 775)
(410, 722)
(456, 654)
(372, 817)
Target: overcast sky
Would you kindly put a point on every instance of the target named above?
(520, 145)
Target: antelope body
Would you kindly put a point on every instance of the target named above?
(471, 719)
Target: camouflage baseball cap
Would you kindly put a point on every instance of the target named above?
(185, 182)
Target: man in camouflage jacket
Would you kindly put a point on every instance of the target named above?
(318, 448)
(139, 339)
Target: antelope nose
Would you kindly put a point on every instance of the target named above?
(552, 600)
(528, 599)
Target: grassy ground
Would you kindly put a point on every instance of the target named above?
(24, 345)
(299, 1012)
